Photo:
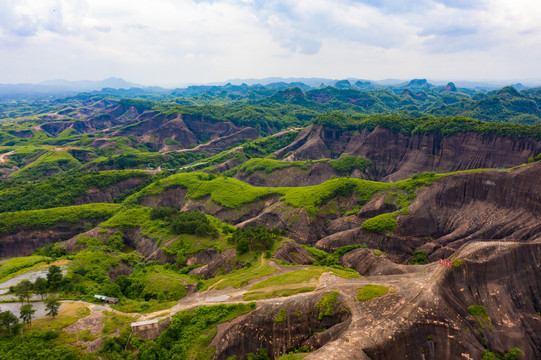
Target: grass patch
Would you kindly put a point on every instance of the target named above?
(68, 314)
(381, 223)
(239, 278)
(46, 164)
(370, 291)
(293, 277)
(11, 267)
(480, 313)
(293, 356)
(258, 295)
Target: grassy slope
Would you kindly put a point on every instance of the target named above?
(46, 164)
(43, 219)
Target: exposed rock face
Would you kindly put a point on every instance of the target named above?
(217, 264)
(294, 253)
(280, 327)
(367, 263)
(26, 241)
(429, 310)
(187, 131)
(397, 157)
(457, 209)
(476, 206)
(293, 176)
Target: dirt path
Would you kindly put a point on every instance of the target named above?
(3, 157)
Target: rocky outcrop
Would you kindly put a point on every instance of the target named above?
(187, 131)
(25, 241)
(396, 156)
(215, 264)
(369, 262)
(496, 205)
(294, 253)
(221, 143)
(426, 315)
(294, 176)
(453, 211)
(279, 327)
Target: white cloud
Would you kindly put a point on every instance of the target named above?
(168, 41)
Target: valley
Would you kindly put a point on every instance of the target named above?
(273, 222)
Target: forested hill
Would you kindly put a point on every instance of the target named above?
(416, 98)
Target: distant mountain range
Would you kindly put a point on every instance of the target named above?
(119, 86)
(54, 88)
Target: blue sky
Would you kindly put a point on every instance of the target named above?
(163, 42)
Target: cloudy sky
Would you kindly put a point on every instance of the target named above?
(170, 42)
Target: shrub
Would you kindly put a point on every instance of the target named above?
(326, 305)
(419, 258)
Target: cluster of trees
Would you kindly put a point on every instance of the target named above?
(254, 238)
(9, 323)
(183, 222)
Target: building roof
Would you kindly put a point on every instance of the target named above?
(101, 297)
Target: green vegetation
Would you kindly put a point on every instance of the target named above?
(11, 267)
(11, 222)
(49, 163)
(445, 126)
(326, 305)
(190, 333)
(38, 345)
(292, 356)
(252, 238)
(55, 191)
(294, 277)
(280, 317)
(458, 263)
(419, 257)
(346, 164)
(267, 166)
(371, 291)
(510, 355)
(234, 194)
(258, 295)
(239, 278)
(381, 223)
(479, 312)
(332, 260)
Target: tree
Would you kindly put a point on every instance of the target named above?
(54, 277)
(52, 305)
(40, 287)
(9, 322)
(24, 290)
(26, 313)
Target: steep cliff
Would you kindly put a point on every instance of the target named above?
(396, 156)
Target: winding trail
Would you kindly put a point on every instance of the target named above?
(3, 157)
